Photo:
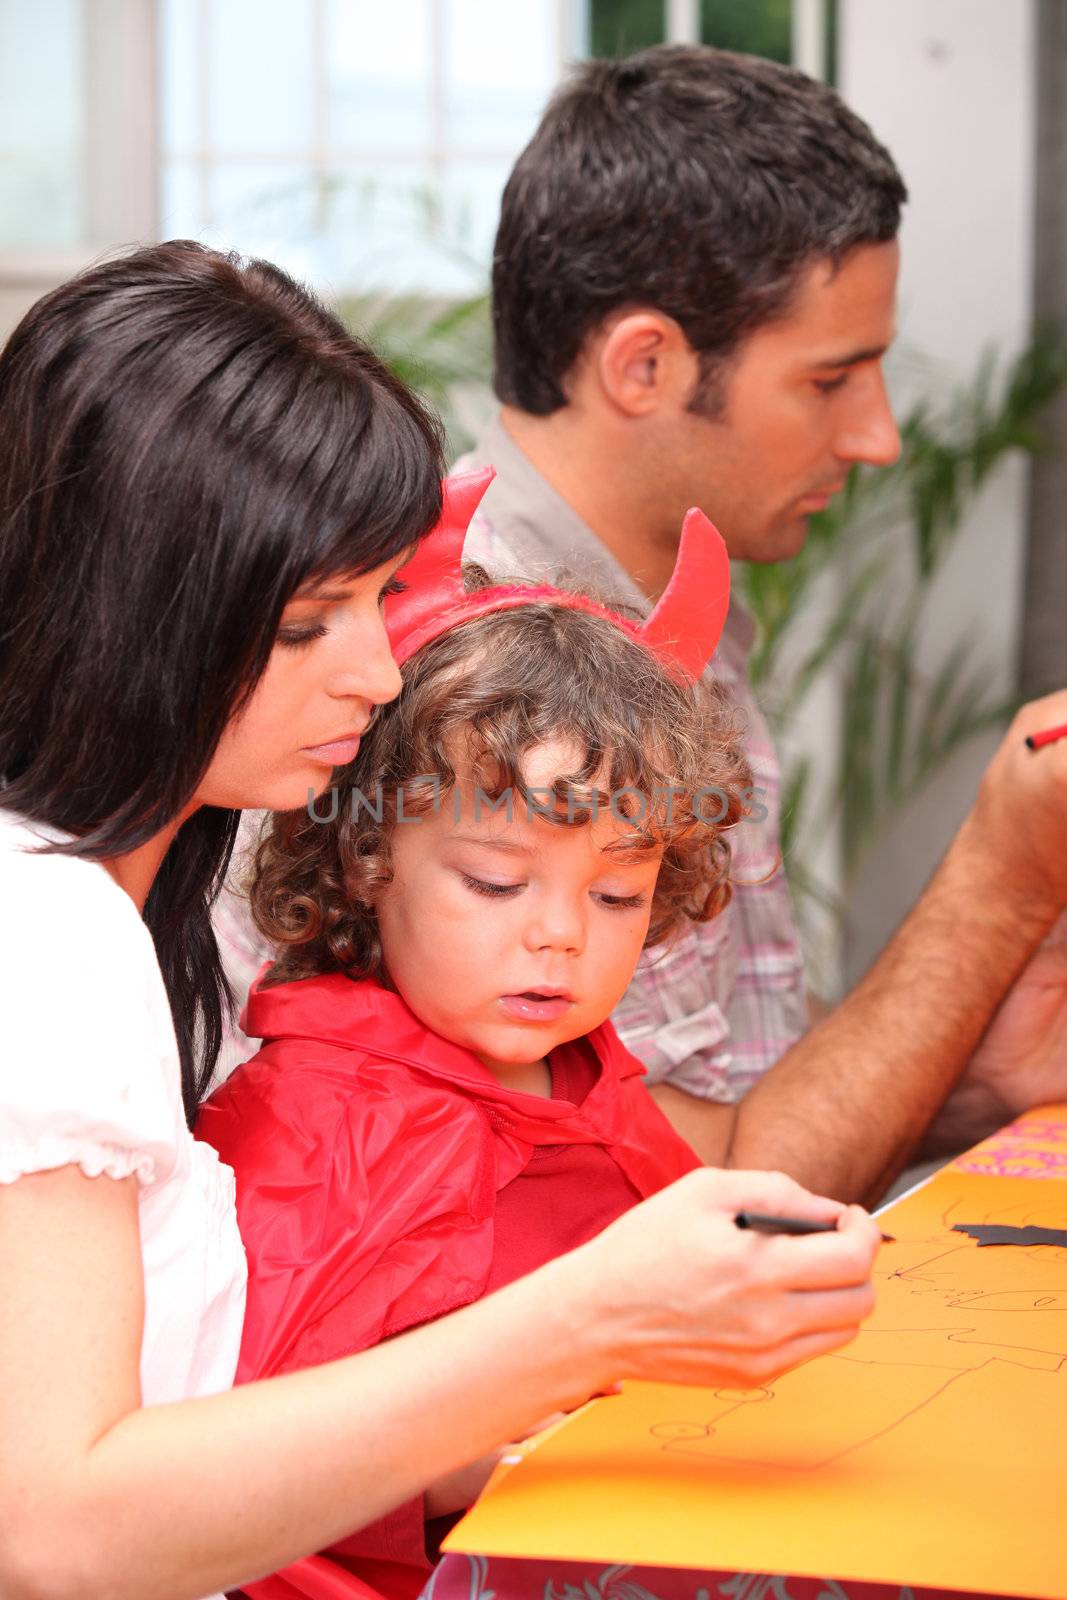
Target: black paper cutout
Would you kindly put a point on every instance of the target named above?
(1001, 1233)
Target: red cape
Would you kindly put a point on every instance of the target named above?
(368, 1154)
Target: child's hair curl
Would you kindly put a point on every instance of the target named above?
(480, 698)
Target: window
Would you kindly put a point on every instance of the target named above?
(361, 143)
(41, 118)
(356, 142)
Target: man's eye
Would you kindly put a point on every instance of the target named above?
(828, 385)
(480, 886)
(294, 635)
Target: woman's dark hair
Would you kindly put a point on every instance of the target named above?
(664, 752)
(186, 439)
(694, 181)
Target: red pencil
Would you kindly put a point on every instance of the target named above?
(1047, 736)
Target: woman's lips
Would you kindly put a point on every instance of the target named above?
(338, 753)
(536, 1008)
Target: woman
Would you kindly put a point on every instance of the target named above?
(206, 487)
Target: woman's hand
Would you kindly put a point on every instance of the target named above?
(685, 1296)
(689, 1297)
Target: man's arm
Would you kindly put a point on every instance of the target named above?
(845, 1108)
(848, 1105)
(1021, 1061)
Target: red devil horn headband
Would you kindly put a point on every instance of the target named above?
(683, 628)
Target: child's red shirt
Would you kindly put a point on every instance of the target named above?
(385, 1177)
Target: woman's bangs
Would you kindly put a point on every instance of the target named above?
(379, 489)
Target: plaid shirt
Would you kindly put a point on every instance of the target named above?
(715, 1010)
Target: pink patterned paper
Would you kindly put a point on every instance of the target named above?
(1034, 1146)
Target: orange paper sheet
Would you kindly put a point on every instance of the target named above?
(932, 1451)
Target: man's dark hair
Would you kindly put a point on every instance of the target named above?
(185, 439)
(691, 180)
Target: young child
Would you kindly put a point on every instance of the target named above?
(441, 1103)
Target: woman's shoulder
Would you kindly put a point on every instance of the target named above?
(91, 1064)
(40, 886)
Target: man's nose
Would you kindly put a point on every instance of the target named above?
(870, 434)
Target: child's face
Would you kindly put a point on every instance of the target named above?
(512, 936)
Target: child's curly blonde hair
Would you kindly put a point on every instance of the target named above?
(664, 753)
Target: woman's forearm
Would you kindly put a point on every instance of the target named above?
(173, 1502)
(181, 1500)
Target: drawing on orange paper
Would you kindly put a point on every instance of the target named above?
(895, 1459)
(946, 1310)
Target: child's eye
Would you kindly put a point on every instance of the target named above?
(622, 902)
(394, 586)
(294, 635)
(480, 886)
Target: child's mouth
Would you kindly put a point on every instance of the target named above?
(531, 1006)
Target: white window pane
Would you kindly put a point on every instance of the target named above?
(41, 118)
(260, 75)
(378, 67)
(40, 202)
(180, 200)
(501, 63)
(179, 66)
(471, 207)
(260, 208)
(382, 226)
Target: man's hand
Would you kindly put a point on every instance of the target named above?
(1021, 1061)
(846, 1107)
(1017, 830)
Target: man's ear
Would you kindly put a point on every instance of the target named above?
(644, 361)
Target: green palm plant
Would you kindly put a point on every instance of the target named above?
(901, 721)
(441, 347)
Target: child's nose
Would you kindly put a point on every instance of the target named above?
(557, 924)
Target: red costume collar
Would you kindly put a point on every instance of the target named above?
(362, 1016)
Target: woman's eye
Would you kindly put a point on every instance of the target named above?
(295, 635)
(394, 586)
(622, 902)
(480, 886)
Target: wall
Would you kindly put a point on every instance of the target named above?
(949, 86)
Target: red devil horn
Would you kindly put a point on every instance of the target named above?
(689, 615)
(433, 577)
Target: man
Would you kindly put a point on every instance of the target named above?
(693, 288)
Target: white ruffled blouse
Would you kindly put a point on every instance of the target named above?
(89, 1076)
